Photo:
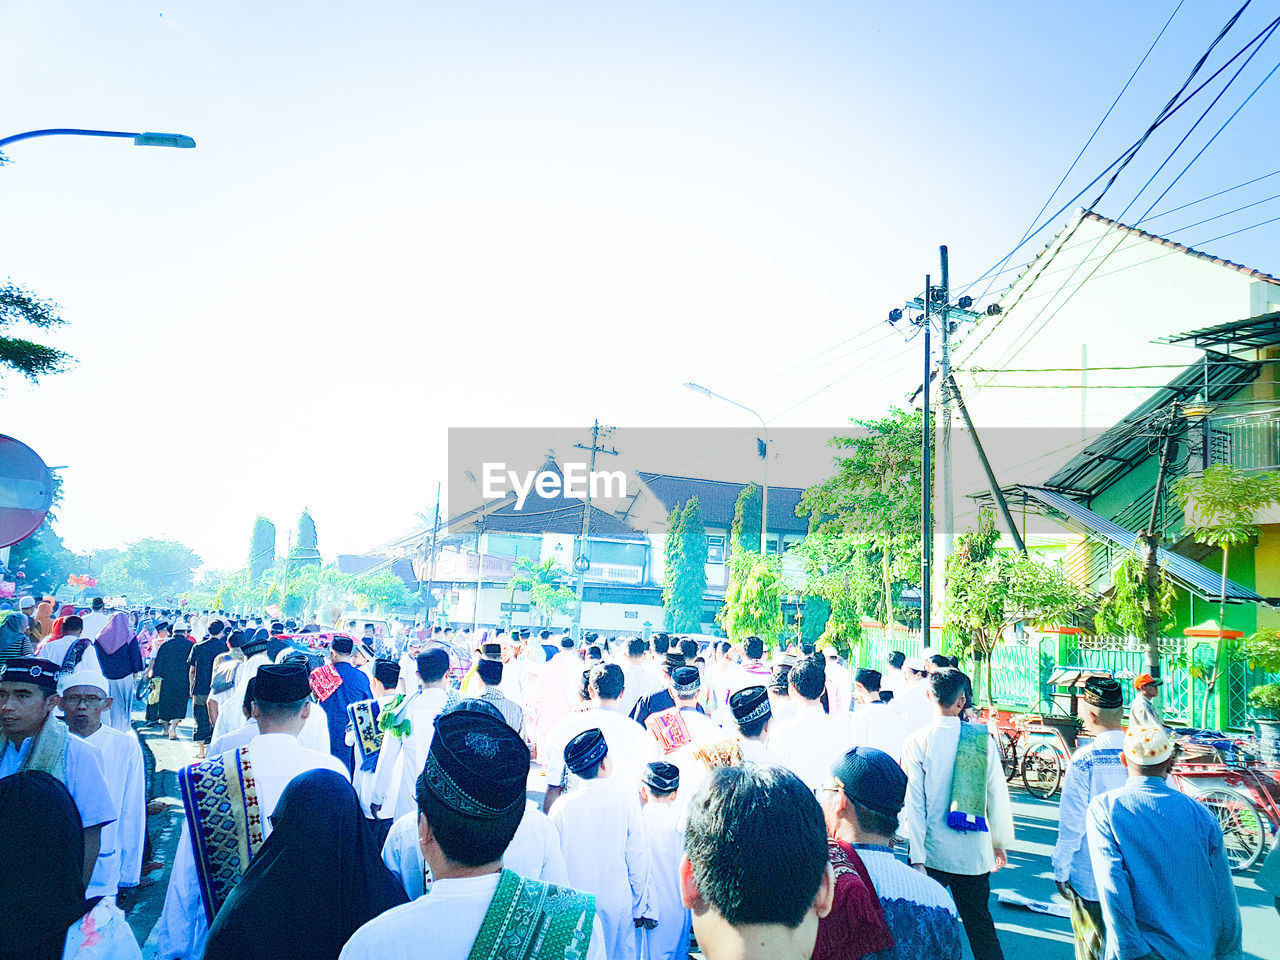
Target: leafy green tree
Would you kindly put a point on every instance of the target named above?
(685, 580)
(813, 619)
(21, 308)
(841, 577)
(869, 509)
(753, 598)
(545, 583)
(744, 533)
(989, 590)
(1222, 505)
(380, 592)
(151, 569)
(262, 548)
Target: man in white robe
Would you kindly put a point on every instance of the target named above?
(664, 829)
(875, 723)
(471, 801)
(630, 745)
(407, 733)
(605, 849)
(85, 697)
(913, 701)
(275, 757)
(810, 741)
(231, 715)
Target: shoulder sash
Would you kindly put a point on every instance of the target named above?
(530, 920)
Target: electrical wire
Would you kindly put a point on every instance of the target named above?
(1184, 206)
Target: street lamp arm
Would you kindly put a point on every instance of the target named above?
(697, 388)
(139, 139)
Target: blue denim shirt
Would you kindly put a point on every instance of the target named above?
(1162, 875)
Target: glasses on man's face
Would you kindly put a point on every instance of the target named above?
(86, 700)
(822, 791)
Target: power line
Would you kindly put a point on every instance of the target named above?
(1055, 190)
(1184, 206)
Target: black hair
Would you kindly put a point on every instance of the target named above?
(566, 642)
(806, 649)
(754, 728)
(591, 772)
(280, 711)
(636, 647)
(163, 625)
(873, 821)
(594, 653)
(73, 623)
(433, 664)
(97, 603)
(607, 680)
(939, 661)
(757, 843)
(809, 677)
(896, 659)
(466, 840)
(689, 649)
(584, 686)
(754, 648)
(661, 644)
(948, 686)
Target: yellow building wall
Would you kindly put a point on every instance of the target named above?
(1267, 573)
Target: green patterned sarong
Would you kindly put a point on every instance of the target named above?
(529, 920)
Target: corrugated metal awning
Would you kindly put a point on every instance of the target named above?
(1184, 571)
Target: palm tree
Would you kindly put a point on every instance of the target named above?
(543, 581)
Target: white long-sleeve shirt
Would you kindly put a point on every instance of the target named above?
(878, 725)
(606, 854)
(120, 855)
(929, 758)
(1094, 769)
(401, 759)
(809, 742)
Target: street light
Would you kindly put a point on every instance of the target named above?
(764, 495)
(180, 140)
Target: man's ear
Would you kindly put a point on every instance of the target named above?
(306, 710)
(425, 836)
(826, 893)
(690, 895)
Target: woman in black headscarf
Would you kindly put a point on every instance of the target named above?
(316, 880)
(41, 886)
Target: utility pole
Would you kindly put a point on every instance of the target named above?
(1151, 555)
(430, 560)
(580, 561)
(926, 498)
(944, 437)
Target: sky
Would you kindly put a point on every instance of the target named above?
(406, 217)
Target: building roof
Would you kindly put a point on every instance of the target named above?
(717, 498)
(1130, 442)
(1184, 571)
(539, 515)
(1190, 251)
(1251, 334)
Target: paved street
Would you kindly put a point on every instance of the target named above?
(1025, 934)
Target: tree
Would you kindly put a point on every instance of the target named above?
(151, 569)
(305, 549)
(1222, 504)
(753, 598)
(21, 307)
(380, 592)
(1131, 609)
(744, 534)
(813, 620)
(989, 590)
(684, 582)
(544, 581)
(262, 548)
(840, 576)
(869, 509)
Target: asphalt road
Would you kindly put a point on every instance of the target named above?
(1024, 934)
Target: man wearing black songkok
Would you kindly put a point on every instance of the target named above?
(471, 799)
(337, 685)
(1094, 769)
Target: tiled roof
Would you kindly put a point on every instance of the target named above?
(717, 498)
(556, 514)
(1249, 271)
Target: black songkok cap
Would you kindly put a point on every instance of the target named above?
(686, 680)
(566, 642)
(490, 671)
(672, 661)
(256, 643)
(544, 634)
(585, 751)
(386, 672)
(342, 644)
(778, 680)
(1103, 692)
(34, 670)
(476, 766)
(868, 678)
(872, 778)
(750, 704)
(661, 776)
(491, 650)
(282, 683)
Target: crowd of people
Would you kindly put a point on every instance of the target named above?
(369, 797)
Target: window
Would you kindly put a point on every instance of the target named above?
(771, 545)
(715, 549)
